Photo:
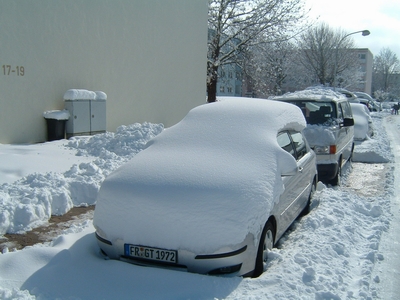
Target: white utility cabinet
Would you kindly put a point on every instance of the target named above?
(87, 112)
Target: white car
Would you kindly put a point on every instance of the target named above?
(363, 125)
(213, 193)
(330, 128)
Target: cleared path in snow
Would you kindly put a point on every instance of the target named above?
(388, 269)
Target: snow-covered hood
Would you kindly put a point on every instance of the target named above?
(320, 135)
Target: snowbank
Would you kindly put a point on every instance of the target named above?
(377, 148)
(30, 201)
(363, 127)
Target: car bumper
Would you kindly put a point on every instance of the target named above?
(238, 260)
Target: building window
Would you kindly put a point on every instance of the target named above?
(238, 90)
(222, 89)
(362, 56)
(229, 89)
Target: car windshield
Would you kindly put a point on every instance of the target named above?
(317, 112)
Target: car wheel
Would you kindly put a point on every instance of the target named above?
(337, 179)
(351, 154)
(307, 208)
(266, 244)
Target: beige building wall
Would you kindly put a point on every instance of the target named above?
(148, 56)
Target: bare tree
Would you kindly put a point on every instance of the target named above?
(269, 69)
(386, 64)
(235, 25)
(319, 54)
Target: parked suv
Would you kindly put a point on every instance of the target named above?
(329, 131)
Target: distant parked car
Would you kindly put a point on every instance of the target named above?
(363, 125)
(351, 97)
(370, 102)
(213, 193)
(330, 129)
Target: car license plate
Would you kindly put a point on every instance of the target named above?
(155, 254)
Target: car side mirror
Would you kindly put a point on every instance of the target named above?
(348, 122)
(289, 165)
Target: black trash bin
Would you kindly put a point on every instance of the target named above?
(55, 120)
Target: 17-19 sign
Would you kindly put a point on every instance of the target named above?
(11, 70)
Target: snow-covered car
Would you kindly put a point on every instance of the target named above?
(370, 102)
(363, 125)
(213, 193)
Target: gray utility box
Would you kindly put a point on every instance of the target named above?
(87, 117)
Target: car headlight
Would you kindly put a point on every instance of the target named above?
(325, 149)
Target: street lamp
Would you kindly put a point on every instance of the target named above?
(363, 32)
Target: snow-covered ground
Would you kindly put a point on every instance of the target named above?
(346, 248)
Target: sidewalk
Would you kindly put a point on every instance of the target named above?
(388, 269)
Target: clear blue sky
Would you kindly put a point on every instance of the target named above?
(380, 17)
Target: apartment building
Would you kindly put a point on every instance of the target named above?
(366, 61)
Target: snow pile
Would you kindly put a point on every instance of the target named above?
(362, 121)
(318, 135)
(30, 201)
(330, 254)
(100, 95)
(56, 114)
(377, 148)
(80, 94)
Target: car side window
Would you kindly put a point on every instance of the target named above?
(299, 144)
(346, 110)
(340, 113)
(285, 143)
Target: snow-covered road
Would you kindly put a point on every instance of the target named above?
(388, 269)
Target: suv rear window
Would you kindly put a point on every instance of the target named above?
(316, 112)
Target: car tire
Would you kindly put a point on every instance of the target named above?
(337, 179)
(351, 154)
(307, 208)
(266, 244)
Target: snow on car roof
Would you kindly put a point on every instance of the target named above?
(363, 95)
(216, 167)
(314, 93)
